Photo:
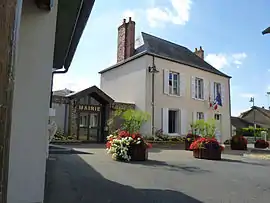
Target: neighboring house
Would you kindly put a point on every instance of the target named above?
(239, 123)
(35, 37)
(61, 110)
(184, 86)
(258, 115)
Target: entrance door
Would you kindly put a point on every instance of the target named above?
(93, 127)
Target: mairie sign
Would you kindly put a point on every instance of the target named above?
(91, 108)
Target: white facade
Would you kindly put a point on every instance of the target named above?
(184, 100)
(29, 133)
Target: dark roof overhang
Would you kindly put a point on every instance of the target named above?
(266, 31)
(94, 91)
(72, 17)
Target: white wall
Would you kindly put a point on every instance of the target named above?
(127, 83)
(29, 133)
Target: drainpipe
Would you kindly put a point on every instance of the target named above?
(153, 70)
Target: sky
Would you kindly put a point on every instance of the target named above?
(229, 32)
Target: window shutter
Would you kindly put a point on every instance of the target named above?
(193, 87)
(166, 81)
(182, 85)
(212, 91)
(165, 120)
(222, 94)
(206, 116)
(184, 121)
(206, 89)
(194, 116)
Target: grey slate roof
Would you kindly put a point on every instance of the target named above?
(240, 123)
(170, 51)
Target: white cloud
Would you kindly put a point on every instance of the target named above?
(237, 112)
(223, 60)
(70, 82)
(179, 15)
(247, 95)
(130, 13)
(158, 15)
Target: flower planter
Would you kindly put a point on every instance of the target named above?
(138, 153)
(238, 146)
(261, 144)
(210, 154)
(187, 144)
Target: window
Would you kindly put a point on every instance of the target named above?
(217, 89)
(199, 88)
(93, 120)
(217, 117)
(172, 121)
(174, 83)
(200, 115)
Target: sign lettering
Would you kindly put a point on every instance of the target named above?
(93, 108)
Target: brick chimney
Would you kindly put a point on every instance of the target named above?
(199, 52)
(126, 40)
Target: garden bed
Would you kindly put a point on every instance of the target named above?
(167, 144)
(70, 142)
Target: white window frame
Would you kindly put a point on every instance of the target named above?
(217, 117)
(200, 116)
(176, 121)
(217, 87)
(173, 85)
(199, 88)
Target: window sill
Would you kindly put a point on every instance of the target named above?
(173, 134)
(199, 99)
(173, 95)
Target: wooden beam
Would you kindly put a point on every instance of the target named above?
(10, 11)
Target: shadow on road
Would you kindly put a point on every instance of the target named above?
(71, 180)
(244, 162)
(171, 167)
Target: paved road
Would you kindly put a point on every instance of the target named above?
(171, 176)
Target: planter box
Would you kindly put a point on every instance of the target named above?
(238, 146)
(261, 145)
(187, 145)
(210, 154)
(138, 153)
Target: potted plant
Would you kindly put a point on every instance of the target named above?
(189, 139)
(191, 136)
(262, 144)
(238, 142)
(206, 147)
(127, 144)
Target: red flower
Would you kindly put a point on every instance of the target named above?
(123, 134)
(108, 145)
(149, 145)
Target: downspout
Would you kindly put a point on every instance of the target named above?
(230, 107)
(152, 69)
(66, 68)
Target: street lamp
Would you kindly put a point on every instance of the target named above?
(153, 70)
(254, 124)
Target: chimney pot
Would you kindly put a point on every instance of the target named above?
(130, 19)
(199, 52)
(124, 20)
